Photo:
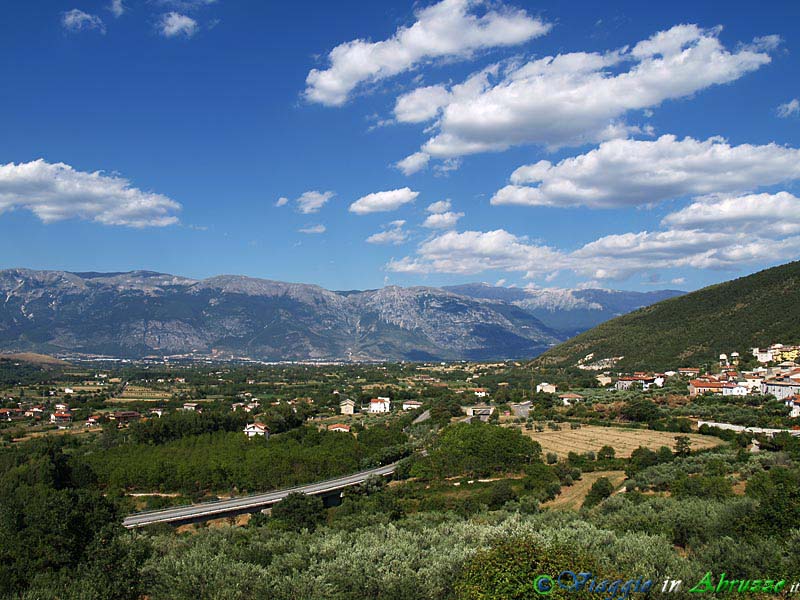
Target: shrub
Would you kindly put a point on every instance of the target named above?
(297, 512)
(600, 490)
(508, 571)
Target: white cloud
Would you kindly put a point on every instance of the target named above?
(393, 233)
(312, 201)
(313, 229)
(712, 233)
(117, 8)
(174, 24)
(576, 98)
(764, 214)
(472, 252)
(413, 163)
(789, 109)
(439, 207)
(623, 173)
(54, 192)
(77, 20)
(445, 220)
(308, 202)
(448, 29)
(383, 201)
(423, 104)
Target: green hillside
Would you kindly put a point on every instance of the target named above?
(756, 310)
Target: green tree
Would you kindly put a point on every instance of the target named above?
(606, 453)
(641, 458)
(683, 445)
(500, 493)
(297, 512)
(600, 490)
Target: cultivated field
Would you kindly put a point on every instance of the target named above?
(135, 393)
(624, 441)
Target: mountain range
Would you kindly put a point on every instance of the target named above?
(142, 313)
(694, 329)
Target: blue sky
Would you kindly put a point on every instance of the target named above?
(162, 134)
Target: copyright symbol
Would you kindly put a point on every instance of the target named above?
(543, 585)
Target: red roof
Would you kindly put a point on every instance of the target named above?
(706, 384)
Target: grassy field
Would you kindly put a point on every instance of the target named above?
(572, 497)
(624, 441)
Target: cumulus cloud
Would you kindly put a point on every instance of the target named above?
(175, 24)
(623, 173)
(445, 220)
(722, 232)
(439, 207)
(393, 233)
(789, 109)
(55, 192)
(308, 202)
(472, 252)
(383, 201)
(575, 98)
(117, 8)
(448, 29)
(765, 214)
(313, 229)
(77, 20)
(413, 163)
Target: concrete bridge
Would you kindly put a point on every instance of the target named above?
(248, 504)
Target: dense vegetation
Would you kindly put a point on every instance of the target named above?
(476, 510)
(230, 461)
(756, 310)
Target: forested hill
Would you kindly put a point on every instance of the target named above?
(756, 310)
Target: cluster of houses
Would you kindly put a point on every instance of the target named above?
(777, 353)
(379, 405)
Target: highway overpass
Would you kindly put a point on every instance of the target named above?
(247, 504)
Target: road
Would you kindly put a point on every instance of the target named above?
(221, 508)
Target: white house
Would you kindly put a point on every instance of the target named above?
(254, 429)
(381, 404)
(480, 392)
(546, 388)
(69, 390)
(781, 387)
(61, 419)
(339, 427)
(347, 407)
(190, 406)
(793, 402)
(570, 398)
(411, 405)
(735, 389)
